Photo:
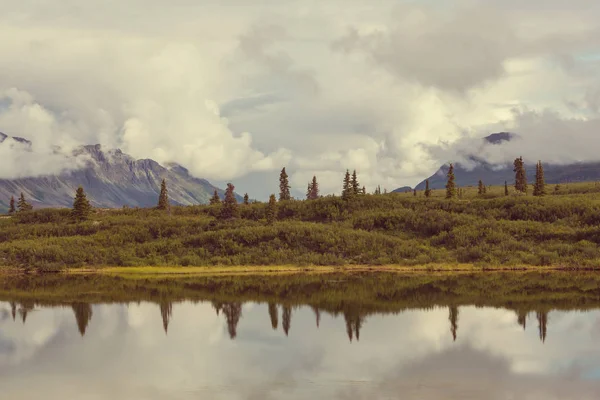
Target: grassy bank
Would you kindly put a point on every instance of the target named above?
(561, 230)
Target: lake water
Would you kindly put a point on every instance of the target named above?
(55, 348)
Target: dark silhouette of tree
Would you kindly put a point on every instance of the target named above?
(539, 188)
(166, 311)
(520, 175)
(23, 205)
(354, 322)
(354, 185)
(13, 310)
(542, 318)
(522, 318)
(364, 190)
(246, 199)
(273, 315)
(313, 189)
(25, 308)
(217, 305)
(83, 315)
(11, 208)
(317, 314)
(233, 313)
(284, 186)
(163, 197)
(453, 318)
(347, 186)
(378, 190)
(415, 193)
(81, 206)
(505, 188)
(215, 199)
(427, 190)
(450, 185)
(286, 319)
(230, 205)
(271, 213)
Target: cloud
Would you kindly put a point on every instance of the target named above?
(235, 93)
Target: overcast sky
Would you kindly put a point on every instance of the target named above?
(235, 90)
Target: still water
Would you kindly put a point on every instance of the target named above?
(250, 349)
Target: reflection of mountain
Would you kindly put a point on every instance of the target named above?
(353, 297)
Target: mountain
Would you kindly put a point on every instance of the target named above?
(497, 174)
(111, 179)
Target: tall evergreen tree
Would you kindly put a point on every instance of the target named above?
(364, 190)
(246, 199)
(520, 175)
(284, 186)
(354, 184)
(271, 213)
(314, 189)
(215, 199)
(23, 205)
(427, 190)
(505, 188)
(480, 188)
(450, 185)
(11, 208)
(81, 206)
(230, 205)
(163, 198)
(273, 315)
(539, 189)
(347, 186)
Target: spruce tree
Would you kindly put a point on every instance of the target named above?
(427, 190)
(230, 205)
(284, 186)
(354, 184)
(11, 207)
(271, 213)
(520, 175)
(364, 190)
(246, 199)
(450, 185)
(81, 206)
(215, 199)
(23, 205)
(505, 188)
(308, 191)
(163, 198)
(539, 188)
(480, 188)
(313, 192)
(347, 186)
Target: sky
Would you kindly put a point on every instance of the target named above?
(125, 354)
(234, 91)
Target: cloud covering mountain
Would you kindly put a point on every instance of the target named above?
(233, 92)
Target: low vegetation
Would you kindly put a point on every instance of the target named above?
(560, 229)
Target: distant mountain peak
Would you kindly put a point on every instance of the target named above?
(497, 138)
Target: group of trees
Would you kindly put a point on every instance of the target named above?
(21, 206)
(81, 205)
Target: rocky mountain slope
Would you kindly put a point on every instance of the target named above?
(111, 179)
(498, 174)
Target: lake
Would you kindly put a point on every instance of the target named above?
(333, 336)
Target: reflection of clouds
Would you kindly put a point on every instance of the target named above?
(125, 354)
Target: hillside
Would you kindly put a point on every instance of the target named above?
(112, 179)
(498, 174)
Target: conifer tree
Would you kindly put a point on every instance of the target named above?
(384, 190)
(415, 192)
(271, 212)
(163, 198)
(308, 191)
(23, 205)
(284, 186)
(480, 188)
(347, 186)
(450, 185)
(313, 189)
(246, 199)
(539, 189)
(427, 190)
(215, 199)
(520, 175)
(81, 206)
(364, 190)
(354, 184)
(505, 188)
(11, 207)
(230, 205)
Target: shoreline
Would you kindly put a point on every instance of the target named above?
(173, 271)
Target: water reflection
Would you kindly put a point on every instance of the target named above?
(307, 341)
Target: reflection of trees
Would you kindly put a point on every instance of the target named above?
(217, 305)
(286, 318)
(83, 315)
(166, 311)
(274, 315)
(26, 307)
(522, 318)
(542, 318)
(13, 309)
(354, 321)
(453, 318)
(233, 313)
(317, 314)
